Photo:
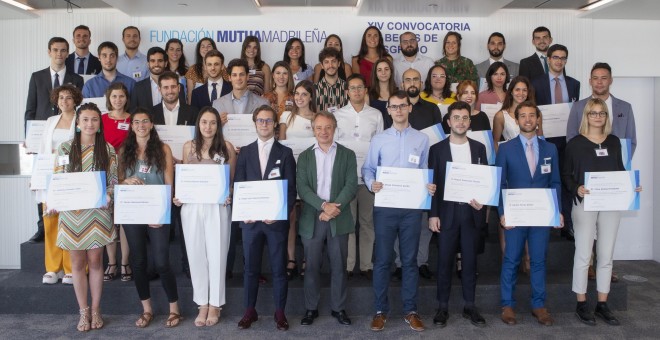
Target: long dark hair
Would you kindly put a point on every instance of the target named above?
(374, 90)
(182, 68)
(382, 52)
(508, 98)
(101, 155)
(492, 69)
(309, 87)
(199, 60)
(341, 47)
(154, 153)
(289, 83)
(446, 90)
(301, 60)
(258, 63)
(218, 145)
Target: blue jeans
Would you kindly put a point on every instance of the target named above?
(389, 224)
(537, 238)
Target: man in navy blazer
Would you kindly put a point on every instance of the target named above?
(514, 159)
(146, 90)
(544, 84)
(536, 64)
(214, 62)
(172, 110)
(90, 64)
(457, 224)
(266, 159)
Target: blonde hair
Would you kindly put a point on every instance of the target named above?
(584, 126)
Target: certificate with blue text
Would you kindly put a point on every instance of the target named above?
(35, 130)
(464, 182)
(239, 129)
(484, 137)
(77, 191)
(611, 191)
(42, 168)
(202, 183)
(403, 188)
(531, 207)
(142, 204)
(175, 136)
(260, 200)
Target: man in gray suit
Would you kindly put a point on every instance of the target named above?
(240, 100)
(496, 45)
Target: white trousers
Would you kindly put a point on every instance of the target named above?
(207, 228)
(587, 225)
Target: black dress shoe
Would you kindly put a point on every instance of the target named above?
(341, 317)
(474, 316)
(425, 272)
(247, 320)
(38, 237)
(367, 274)
(440, 318)
(309, 317)
(603, 312)
(349, 274)
(397, 275)
(583, 314)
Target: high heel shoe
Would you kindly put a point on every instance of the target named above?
(109, 273)
(291, 272)
(83, 323)
(125, 275)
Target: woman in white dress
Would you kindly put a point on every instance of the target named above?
(504, 122)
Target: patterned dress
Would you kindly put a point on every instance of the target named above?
(256, 79)
(459, 69)
(88, 228)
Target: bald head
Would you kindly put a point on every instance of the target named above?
(412, 79)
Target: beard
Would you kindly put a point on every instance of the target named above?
(412, 92)
(496, 53)
(410, 53)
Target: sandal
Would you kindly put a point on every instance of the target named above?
(200, 321)
(173, 320)
(83, 323)
(144, 320)
(213, 320)
(125, 275)
(110, 274)
(97, 320)
(291, 272)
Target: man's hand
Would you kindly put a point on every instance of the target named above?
(376, 186)
(434, 224)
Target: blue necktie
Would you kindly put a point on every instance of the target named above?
(545, 64)
(214, 92)
(81, 65)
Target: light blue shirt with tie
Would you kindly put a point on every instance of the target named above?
(562, 83)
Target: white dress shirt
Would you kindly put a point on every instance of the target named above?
(325, 162)
(353, 125)
(171, 117)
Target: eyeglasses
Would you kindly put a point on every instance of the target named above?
(555, 58)
(356, 88)
(438, 76)
(460, 119)
(412, 80)
(266, 121)
(594, 114)
(397, 107)
(144, 121)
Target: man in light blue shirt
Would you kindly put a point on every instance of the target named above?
(96, 86)
(133, 63)
(400, 146)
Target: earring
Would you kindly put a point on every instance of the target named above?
(98, 131)
(77, 129)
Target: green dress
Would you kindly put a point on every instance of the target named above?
(459, 69)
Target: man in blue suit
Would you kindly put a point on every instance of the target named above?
(266, 159)
(215, 87)
(526, 162)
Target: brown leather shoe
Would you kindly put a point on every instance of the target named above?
(281, 322)
(508, 316)
(414, 321)
(543, 316)
(378, 322)
(247, 320)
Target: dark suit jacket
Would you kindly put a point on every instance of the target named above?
(439, 155)
(38, 105)
(343, 187)
(541, 84)
(515, 173)
(93, 64)
(141, 95)
(531, 67)
(187, 114)
(200, 96)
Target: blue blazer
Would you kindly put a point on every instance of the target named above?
(93, 64)
(541, 84)
(515, 172)
(200, 96)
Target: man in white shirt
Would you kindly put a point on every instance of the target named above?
(410, 58)
(496, 46)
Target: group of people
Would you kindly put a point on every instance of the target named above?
(376, 100)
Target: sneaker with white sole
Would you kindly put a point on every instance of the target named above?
(50, 278)
(67, 279)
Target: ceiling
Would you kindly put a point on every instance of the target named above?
(616, 9)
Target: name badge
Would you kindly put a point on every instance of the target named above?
(253, 72)
(122, 126)
(63, 160)
(288, 103)
(545, 168)
(356, 134)
(295, 77)
(601, 152)
(332, 109)
(413, 159)
(137, 74)
(145, 169)
(218, 159)
(275, 173)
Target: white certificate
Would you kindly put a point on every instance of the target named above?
(403, 188)
(555, 118)
(490, 110)
(260, 200)
(464, 182)
(483, 84)
(626, 153)
(99, 101)
(298, 145)
(142, 204)
(531, 207)
(611, 191)
(202, 183)
(361, 149)
(42, 168)
(485, 137)
(77, 191)
(444, 108)
(240, 130)
(35, 130)
(435, 133)
(175, 136)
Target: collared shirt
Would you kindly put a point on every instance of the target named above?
(610, 113)
(353, 125)
(535, 145)
(393, 148)
(60, 74)
(136, 68)
(325, 161)
(267, 145)
(239, 103)
(156, 97)
(562, 83)
(76, 61)
(171, 117)
(331, 96)
(96, 86)
(218, 87)
(491, 60)
(421, 63)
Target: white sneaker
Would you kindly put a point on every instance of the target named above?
(67, 279)
(49, 278)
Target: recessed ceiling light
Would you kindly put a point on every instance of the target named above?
(595, 5)
(18, 4)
